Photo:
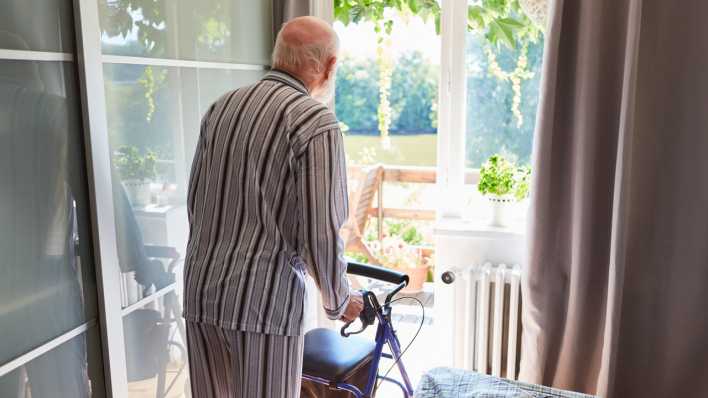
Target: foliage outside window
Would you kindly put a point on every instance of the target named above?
(412, 109)
(491, 125)
(152, 81)
(133, 166)
(502, 22)
(147, 20)
(405, 230)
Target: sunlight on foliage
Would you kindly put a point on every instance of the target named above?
(214, 33)
(501, 22)
(131, 165)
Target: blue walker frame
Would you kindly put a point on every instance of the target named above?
(385, 334)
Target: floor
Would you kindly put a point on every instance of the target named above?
(176, 384)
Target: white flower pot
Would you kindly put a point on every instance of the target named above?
(501, 210)
(138, 192)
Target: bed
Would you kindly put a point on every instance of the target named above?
(457, 383)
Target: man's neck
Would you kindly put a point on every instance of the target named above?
(306, 81)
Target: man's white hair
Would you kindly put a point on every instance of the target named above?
(298, 56)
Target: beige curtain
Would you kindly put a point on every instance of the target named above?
(616, 288)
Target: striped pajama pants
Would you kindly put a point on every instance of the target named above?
(233, 364)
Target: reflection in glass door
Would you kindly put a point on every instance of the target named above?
(91, 257)
(161, 64)
(49, 344)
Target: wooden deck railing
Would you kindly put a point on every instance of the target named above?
(412, 175)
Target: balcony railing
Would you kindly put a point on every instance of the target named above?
(410, 175)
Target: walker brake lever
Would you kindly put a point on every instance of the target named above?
(367, 316)
(344, 333)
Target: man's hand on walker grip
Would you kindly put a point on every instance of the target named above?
(354, 307)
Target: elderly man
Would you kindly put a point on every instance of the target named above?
(267, 197)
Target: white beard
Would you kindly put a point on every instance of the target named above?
(325, 94)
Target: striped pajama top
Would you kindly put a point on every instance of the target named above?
(267, 197)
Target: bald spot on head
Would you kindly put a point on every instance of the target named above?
(308, 31)
(307, 48)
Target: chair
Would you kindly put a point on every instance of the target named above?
(361, 199)
(148, 330)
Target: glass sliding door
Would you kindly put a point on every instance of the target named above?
(49, 345)
(100, 106)
(224, 31)
(154, 136)
(161, 65)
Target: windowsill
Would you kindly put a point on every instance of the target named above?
(476, 222)
(479, 228)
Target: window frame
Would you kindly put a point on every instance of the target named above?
(90, 63)
(452, 105)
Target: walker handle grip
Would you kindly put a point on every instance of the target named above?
(376, 272)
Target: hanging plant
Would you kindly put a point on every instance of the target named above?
(378, 12)
(385, 64)
(151, 82)
(537, 10)
(506, 24)
(516, 76)
(502, 22)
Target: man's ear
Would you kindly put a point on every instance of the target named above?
(330, 67)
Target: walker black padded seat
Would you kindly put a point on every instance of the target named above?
(330, 356)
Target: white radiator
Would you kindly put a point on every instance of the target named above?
(487, 311)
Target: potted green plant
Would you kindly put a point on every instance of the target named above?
(136, 171)
(503, 183)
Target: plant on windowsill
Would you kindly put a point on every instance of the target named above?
(136, 172)
(503, 183)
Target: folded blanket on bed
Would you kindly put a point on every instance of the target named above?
(458, 383)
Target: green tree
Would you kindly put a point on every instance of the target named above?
(501, 23)
(491, 125)
(147, 19)
(413, 94)
(357, 94)
(127, 111)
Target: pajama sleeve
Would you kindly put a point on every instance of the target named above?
(324, 206)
